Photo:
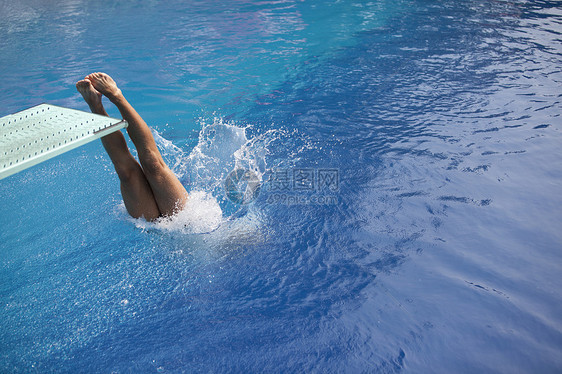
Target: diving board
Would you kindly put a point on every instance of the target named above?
(45, 131)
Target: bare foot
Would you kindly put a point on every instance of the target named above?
(105, 84)
(90, 94)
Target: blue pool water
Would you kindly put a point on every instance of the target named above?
(439, 249)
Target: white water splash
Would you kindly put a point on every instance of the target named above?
(201, 214)
(221, 148)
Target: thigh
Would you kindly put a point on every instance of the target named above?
(169, 193)
(138, 195)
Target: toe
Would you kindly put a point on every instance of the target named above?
(82, 83)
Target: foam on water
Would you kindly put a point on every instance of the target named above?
(201, 214)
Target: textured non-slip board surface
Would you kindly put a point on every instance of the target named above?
(45, 131)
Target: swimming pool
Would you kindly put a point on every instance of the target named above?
(408, 213)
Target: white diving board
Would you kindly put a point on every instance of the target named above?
(45, 131)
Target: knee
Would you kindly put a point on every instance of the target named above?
(128, 172)
(154, 167)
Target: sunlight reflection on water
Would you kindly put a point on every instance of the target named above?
(442, 120)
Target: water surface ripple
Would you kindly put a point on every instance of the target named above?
(440, 252)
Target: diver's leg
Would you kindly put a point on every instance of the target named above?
(135, 189)
(169, 193)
